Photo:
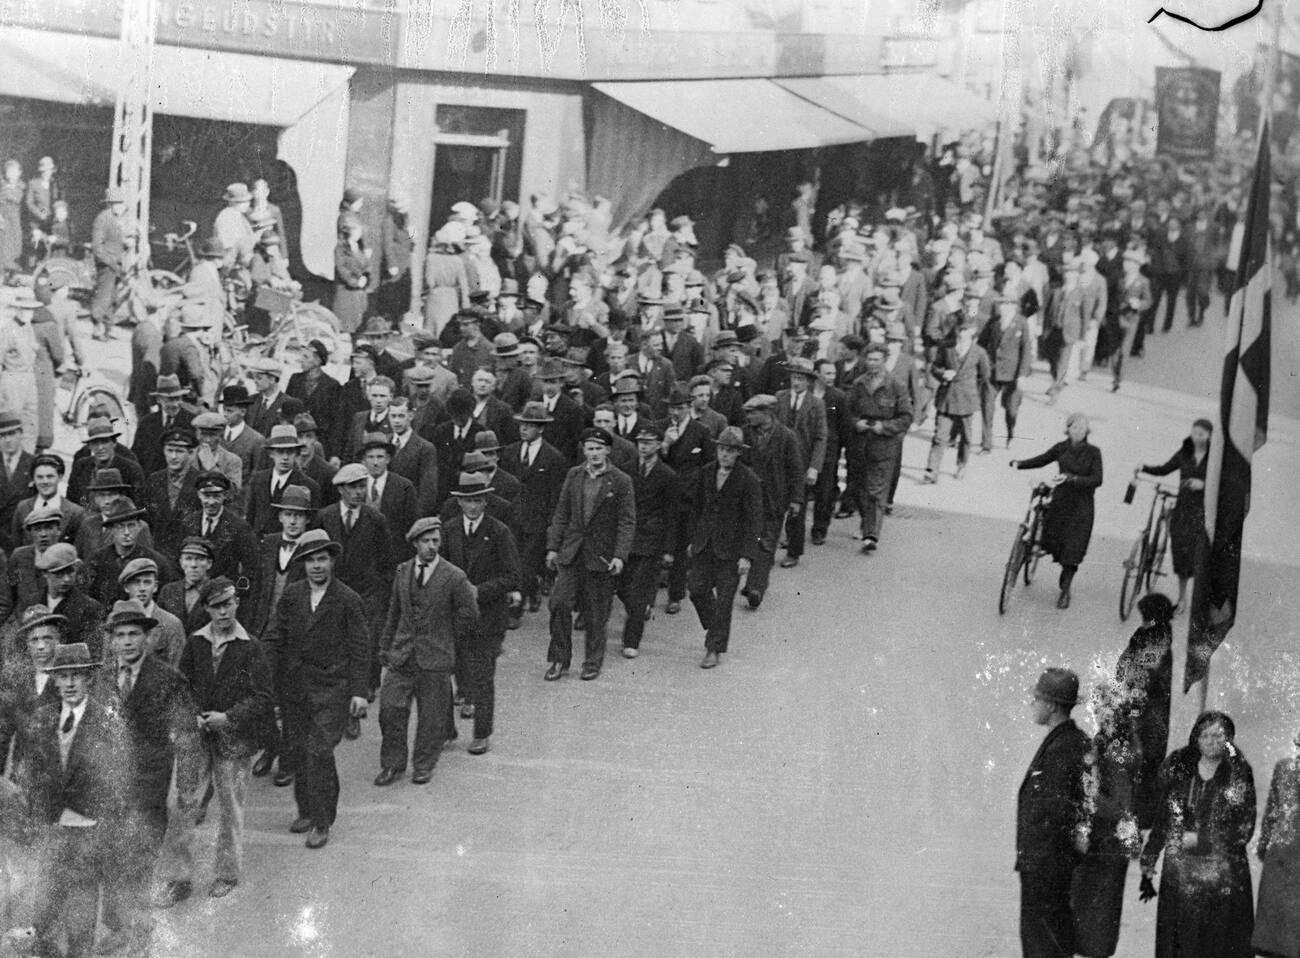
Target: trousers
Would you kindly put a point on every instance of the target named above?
(713, 583)
(945, 425)
(636, 589)
(228, 774)
(1010, 395)
(103, 301)
(880, 459)
(825, 492)
(760, 573)
(74, 863)
(597, 591)
(126, 903)
(314, 720)
(796, 527)
(482, 653)
(1046, 919)
(430, 689)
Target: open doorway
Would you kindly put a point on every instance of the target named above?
(477, 156)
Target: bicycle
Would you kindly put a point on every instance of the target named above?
(1026, 547)
(1145, 562)
(87, 390)
(176, 245)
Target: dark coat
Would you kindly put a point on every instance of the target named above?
(1145, 669)
(808, 425)
(726, 523)
(609, 531)
(83, 473)
(102, 571)
(776, 460)
(417, 461)
(259, 502)
(504, 484)
(961, 396)
(490, 559)
(94, 783)
(282, 408)
(563, 432)
(539, 484)
(18, 700)
(1067, 527)
(1187, 521)
(729, 402)
(1050, 801)
(1277, 924)
(656, 384)
(361, 425)
(241, 686)
(72, 514)
(429, 643)
(147, 444)
(164, 519)
(1010, 351)
(233, 543)
(450, 453)
(85, 621)
(400, 506)
(499, 417)
(326, 650)
(838, 426)
(686, 355)
(659, 509)
(366, 563)
(692, 451)
(323, 405)
(502, 510)
(259, 601)
(171, 598)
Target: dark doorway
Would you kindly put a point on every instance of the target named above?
(462, 173)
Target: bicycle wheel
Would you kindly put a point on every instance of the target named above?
(165, 279)
(1033, 551)
(117, 410)
(1132, 585)
(1015, 561)
(1156, 563)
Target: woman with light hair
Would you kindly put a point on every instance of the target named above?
(446, 281)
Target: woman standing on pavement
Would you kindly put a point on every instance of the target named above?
(354, 272)
(1187, 523)
(1067, 527)
(11, 216)
(1206, 817)
(1145, 673)
(1277, 923)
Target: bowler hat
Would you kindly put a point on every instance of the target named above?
(746, 333)
(471, 484)
(72, 657)
(534, 412)
(422, 525)
(236, 394)
(168, 386)
(57, 557)
(1060, 686)
(732, 437)
(313, 541)
(297, 498)
(129, 612)
(108, 480)
(283, 436)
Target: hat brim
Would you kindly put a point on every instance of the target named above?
(520, 417)
(461, 493)
(170, 393)
(89, 439)
(52, 618)
(285, 444)
(513, 351)
(292, 506)
(731, 445)
(147, 622)
(331, 547)
(77, 666)
(110, 521)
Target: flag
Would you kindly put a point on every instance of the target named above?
(1241, 429)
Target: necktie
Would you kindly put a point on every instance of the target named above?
(347, 519)
(126, 682)
(797, 400)
(374, 490)
(67, 724)
(276, 489)
(207, 528)
(528, 456)
(420, 570)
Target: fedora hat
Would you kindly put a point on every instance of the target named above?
(678, 395)
(475, 460)
(313, 541)
(297, 498)
(57, 557)
(378, 440)
(471, 484)
(801, 366)
(534, 412)
(551, 369)
(625, 385)
(123, 510)
(283, 436)
(72, 657)
(100, 428)
(376, 326)
(485, 440)
(506, 344)
(108, 480)
(1060, 686)
(212, 248)
(35, 616)
(129, 612)
(9, 422)
(236, 394)
(168, 386)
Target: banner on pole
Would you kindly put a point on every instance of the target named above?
(1187, 107)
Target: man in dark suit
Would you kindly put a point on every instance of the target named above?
(414, 457)
(311, 459)
(47, 474)
(78, 772)
(726, 399)
(485, 549)
(1007, 342)
(393, 495)
(658, 494)
(773, 454)
(803, 414)
(726, 522)
(490, 412)
(321, 393)
(686, 448)
(123, 525)
(1048, 810)
(827, 488)
(320, 646)
(679, 346)
(270, 407)
(101, 439)
(656, 375)
(452, 439)
(169, 493)
(24, 684)
(774, 374)
(588, 542)
(374, 419)
(366, 560)
(240, 438)
(61, 570)
(264, 489)
(155, 705)
(963, 373)
(567, 419)
(276, 568)
(149, 431)
(540, 469)
(234, 547)
(502, 482)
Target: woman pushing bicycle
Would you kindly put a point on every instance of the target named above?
(1187, 522)
(1067, 526)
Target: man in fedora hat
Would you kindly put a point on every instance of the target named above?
(123, 523)
(804, 413)
(79, 768)
(218, 521)
(25, 685)
(772, 452)
(16, 465)
(239, 437)
(108, 248)
(588, 542)
(962, 370)
(393, 495)
(485, 549)
(566, 418)
(378, 333)
(265, 487)
(540, 469)
(61, 569)
(514, 383)
(156, 708)
(101, 440)
(169, 492)
(502, 481)
(320, 645)
(210, 455)
(658, 492)
(1007, 342)
(432, 614)
(231, 225)
(726, 520)
(19, 348)
(166, 639)
(105, 490)
(149, 429)
(1049, 809)
(230, 684)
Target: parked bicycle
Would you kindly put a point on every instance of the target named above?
(81, 392)
(1026, 547)
(1146, 560)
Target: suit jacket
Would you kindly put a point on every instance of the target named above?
(428, 640)
(504, 483)
(259, 513)
(712, 420)
(417, 461)
(777, 462)
(358, 427)
(232, 541)
(171, 598)
(1050, 801)
(23, 585)
(1010, 350)
(241, 686)
(159, 717)
(85, 621)
(268, 553)
(490, 560)
(499, 509)
(499, 417)
(563, 432)
(228, 464)
(961, 396)
(162, 516)
(836, 404)
(82, 474)
(92, 783)
(400, 506)
(324, 404)
(322, 473)
(539, 485)
(248, 447)
(147, 444)
(92, 536)
(104, 568)
(18, 700)
(366, 563)
(72, 514)
(728, 402)
(261, 416)
(726, 523)
(689, 454)
(606, 533)
(656, 384)
(686, 355)
(450, 453)
(326, 650)
(809, 425)
(659, 509)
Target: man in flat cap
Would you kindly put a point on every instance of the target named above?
(61, 570)
(181, 598)
(22, 585)
(166, 639)
(15, 474)
(588, 543)
(210, 455)
(101, 440)
(234, 546)
(25, 685)
(169, 492)
(1048, 811)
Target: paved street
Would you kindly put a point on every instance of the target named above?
(843, 784)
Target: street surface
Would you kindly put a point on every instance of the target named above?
(845, 782)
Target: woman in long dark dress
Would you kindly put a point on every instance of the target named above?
(1277, 919)
(1145, 673)
(1067, 527)
(1187, 522)
(1206, 817)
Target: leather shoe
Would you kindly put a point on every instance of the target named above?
(789, 562)
(174, 893)
(818, 539)
(869, 544)
(318, 838)
(589, 673)
(844, 514)
(221, 888)
(929, 479)
(981, 451)
(554, 671)
(301, 825)
(387, 776)
(1063, 600)
(709, 661)
(262, 767)
(283, 778)
(673, 607)
(534, 604)
(353, 729)
(629, 652)
(467, 710)
(754, 598)
(478, 747)
(422, 776)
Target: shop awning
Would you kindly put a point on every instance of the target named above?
(204, 84)
(911, 102)
(737, 116)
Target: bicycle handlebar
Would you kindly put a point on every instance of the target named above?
(1140, 476)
